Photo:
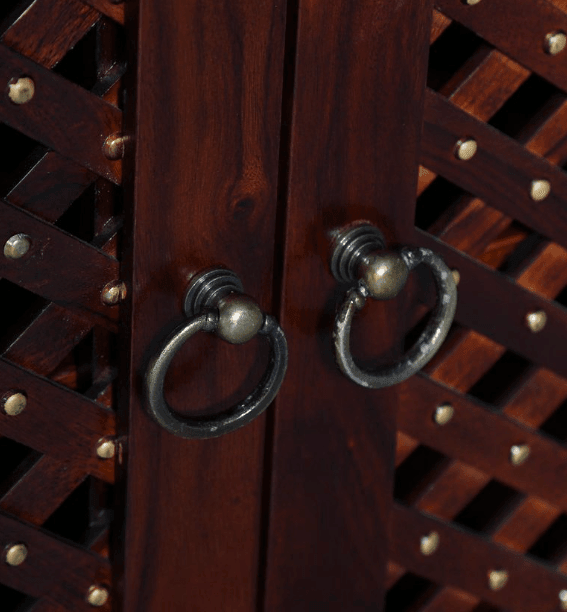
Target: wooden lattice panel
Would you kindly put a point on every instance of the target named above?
(59, 339)
(491, 80)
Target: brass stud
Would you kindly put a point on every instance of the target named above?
(539, 190)
(466, 148)
(113, 293)
(97, 596)
(497, 579)
(456, 276)
(536, 320)
(555, 42)
(17, 246)
(429, 543)
(115, 146)
(21, 90)
(106, 448)
(471, 2)
(15, 554)
(14, 403)
(563, 599)
(519, 454)
(443, 414)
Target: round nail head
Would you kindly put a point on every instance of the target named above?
(456, 276)
(106, 448)
(429, 543)
(539, 190)
(466, 149)
(471, 2)
(17, 246)
(497, 579)
(555, 42)
(443, 414)
(563, 599)
(536, 320)
(113, 293)
(14, 403)
(519, 453)
(97, 596)
(21, 91)
(15, 554)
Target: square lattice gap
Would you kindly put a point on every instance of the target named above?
(551, 546)
(490, 508)
(14, 601)
(17, 459)
(416, 472)
(10, 10)
(527, 108)
(561, 298)
(20, 154)
(80, 63)
(409, 593)
(438, 202)
(76, 370)
(555, 426)
(20, 307)
(84, 514)
(449, 53)
(79, 218)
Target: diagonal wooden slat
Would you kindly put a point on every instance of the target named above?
(42, 489)
(61, 115)
(52, 252)
(60, 571)
(518, 28)
(530, 586)
(47, 29)
(114, 10)
(501, 171)
(57, 421)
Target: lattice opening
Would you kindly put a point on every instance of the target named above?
(76, 370)
(556, 425)
(17, 459)
(489, 508)
(561, 298)
(79, 65)
(408, 593)
(552, 545)
(449, 53)
(529, 106)
(439, 200)
(84, 514)
(512, 248)
(22, 151)
(10, 10)
(15, 601)
(78, 219)
(415, 473)
(496, 383)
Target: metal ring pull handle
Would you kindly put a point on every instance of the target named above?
(359, 256)
(214, 302)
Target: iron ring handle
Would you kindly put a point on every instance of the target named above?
(221, 307)
(359, 256)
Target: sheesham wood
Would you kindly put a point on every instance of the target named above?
(114, 10)
(518, 28)
(52, 252)
(61, 115)
(46, 30)
(58, 422)
(333, 440)
(205, 194)
(531, 585)
(53, 568)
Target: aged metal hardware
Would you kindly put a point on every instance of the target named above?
(555, 42)
(14, 402)
(539, 190)
(466, 149)
(21, 90)
(443, 414)
(536, 320)
(17, 246)
(15, 554)
(358, 256)
(97, 596)
(214, 302)
(429, 543)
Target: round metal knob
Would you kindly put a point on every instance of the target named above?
(359, 256)
(214, 303)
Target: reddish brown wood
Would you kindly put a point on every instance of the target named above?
(110, 8)
(530, 585)
(518, 28)
(55, 569)
(332, 465)
(205, 193)
(46, 30)
(52, 252)
(57, 421)
(61, 115)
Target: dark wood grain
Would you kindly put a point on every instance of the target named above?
(333, 441)
(56, 421)
(205, 194)
(46, 30)
(531, 586)
(53, 568)
(110, 8)
(87, 269)
(61, 115)
(518, 28)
